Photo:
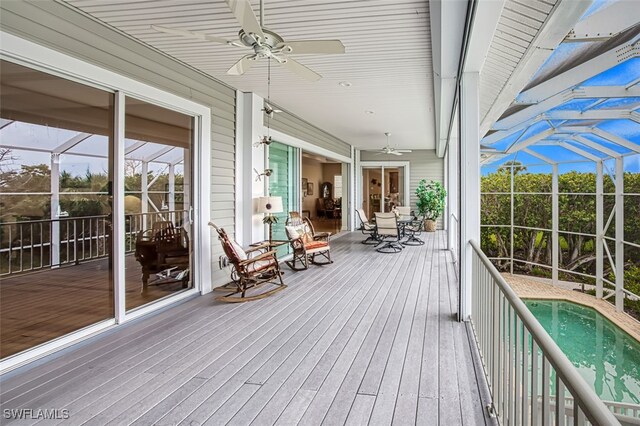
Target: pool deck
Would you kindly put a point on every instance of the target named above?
(536, 288)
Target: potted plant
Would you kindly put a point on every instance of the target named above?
(430, 203)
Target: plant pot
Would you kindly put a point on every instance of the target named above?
(430, 225)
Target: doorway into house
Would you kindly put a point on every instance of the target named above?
(323, 190)
(383, 188)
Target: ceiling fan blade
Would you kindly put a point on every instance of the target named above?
(242, 65)
(241, 9)
(299, 47)
(395, 153)
(190, 34)
(403, 150)
(297, 68)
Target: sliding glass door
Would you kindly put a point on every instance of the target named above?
(383, 188)
(60, 179)
(284, 162)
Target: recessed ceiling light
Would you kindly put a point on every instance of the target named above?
(345, 84)
(368, 112)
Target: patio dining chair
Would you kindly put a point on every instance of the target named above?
(367, 228)
(404, 210)
(412, 231)
(387, 230)
(253, 268)
(307, 245)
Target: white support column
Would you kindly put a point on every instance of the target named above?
(599, 229)
(619, 234)
(55, 210)
(172, 188)
(470, 185)
(117, 193)
(249, 130)
(452, 193)
(555, 224)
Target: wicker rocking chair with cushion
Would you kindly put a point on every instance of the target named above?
(253, 269)
(306, 243)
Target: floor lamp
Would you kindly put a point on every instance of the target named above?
(269, 206)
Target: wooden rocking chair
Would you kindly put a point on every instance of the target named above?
(250, 273)
(306, 243)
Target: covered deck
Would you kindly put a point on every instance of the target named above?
(372, 338)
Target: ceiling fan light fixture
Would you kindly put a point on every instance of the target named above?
(369, 112)
(345, 84)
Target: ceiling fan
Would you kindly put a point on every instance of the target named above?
(389, 150)
(264, 43)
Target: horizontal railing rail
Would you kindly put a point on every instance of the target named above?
(45, 243)
(528, 374)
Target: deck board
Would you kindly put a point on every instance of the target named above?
(370, 339)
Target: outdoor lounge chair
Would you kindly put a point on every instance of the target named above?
(387, 230)
(250, 273)
(367, 228)
(412, 231)
(306, 243)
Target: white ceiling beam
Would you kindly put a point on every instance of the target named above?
(485, 23)
(607, 22)
(447, 18)
(135, 146)
(579, 151)
(530, 141)
(580, 73)
(616, 139)
(158, 154)
(594, 145)
(560, 21)
(62, 148)
(599, 114)
(525, 117)
(539, 156)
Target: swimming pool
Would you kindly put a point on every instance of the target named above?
(607, 357)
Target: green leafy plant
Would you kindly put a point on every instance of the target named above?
(431, 198)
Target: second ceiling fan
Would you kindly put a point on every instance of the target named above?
(264, 43)
(389, 150)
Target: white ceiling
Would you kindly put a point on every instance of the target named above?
(387, 61)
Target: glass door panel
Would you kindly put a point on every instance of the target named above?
(284, 182)
(372, 190)
(55, 207)
(158, 176)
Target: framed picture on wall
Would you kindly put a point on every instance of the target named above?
(304, 187)
(310, 188)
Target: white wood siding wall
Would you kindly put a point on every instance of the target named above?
(66, 30)
(423, 164)
(288, 123)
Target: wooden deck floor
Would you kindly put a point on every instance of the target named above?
(370, 339)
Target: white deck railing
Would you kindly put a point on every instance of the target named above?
(529, 376)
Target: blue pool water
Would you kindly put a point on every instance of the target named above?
(607, 357)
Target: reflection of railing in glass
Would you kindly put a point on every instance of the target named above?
(27, 245)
